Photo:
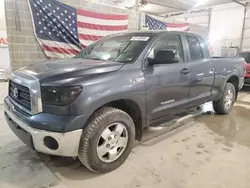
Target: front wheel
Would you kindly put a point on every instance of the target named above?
(107, 140)
(225, 104)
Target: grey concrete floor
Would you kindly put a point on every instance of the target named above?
(207, 151)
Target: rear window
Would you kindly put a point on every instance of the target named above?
(194, 48)
(246, 56)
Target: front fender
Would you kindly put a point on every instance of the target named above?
(111, 87)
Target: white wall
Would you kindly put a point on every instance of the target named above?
(197, 18)
(225, 26)
(194, 28)
(246, 36)
(2, 15)
(4, 50)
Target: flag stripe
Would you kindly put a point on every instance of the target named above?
(102, 21)
(177, 25)
(63, 30)
(57, 44)
(55, 55)
(89, 37)
(101, 27)
(155, 24)
(101, 16)
(97, 32)
(185, 28)
(60, 50)
(86, 42)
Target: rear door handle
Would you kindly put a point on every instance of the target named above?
(185, 71)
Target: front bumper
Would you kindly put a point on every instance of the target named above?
(68, 143)
(247, 80)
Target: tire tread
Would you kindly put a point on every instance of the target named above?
(92, 124)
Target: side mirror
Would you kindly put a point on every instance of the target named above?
(165, 56)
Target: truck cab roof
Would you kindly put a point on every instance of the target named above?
(156, 33)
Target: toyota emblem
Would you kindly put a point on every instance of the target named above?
(15, 91)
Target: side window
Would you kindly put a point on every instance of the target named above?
(194, 48)
(170, 42)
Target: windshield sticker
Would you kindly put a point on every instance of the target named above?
(139, 38)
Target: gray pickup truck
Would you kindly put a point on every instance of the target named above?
(96, 105)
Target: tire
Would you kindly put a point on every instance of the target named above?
(105, 120)
(221, 106)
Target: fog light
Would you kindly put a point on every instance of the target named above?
(50, 143)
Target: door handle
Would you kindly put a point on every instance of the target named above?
(185, 71)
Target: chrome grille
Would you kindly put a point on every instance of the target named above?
(22, 95)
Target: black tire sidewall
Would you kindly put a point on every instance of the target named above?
(229, 86)
(94, 162)
(219, 106)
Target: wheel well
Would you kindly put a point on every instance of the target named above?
(235, 81)
(133, 110)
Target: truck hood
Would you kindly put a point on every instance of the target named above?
(70, 68)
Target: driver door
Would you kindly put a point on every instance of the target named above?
(167, 85)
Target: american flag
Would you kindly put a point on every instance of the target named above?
(154, 24)
(62, 30)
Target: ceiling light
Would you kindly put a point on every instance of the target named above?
(200, 3)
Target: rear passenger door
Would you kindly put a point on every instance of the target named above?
(202, 70)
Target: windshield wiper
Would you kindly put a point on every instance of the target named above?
(94, 58)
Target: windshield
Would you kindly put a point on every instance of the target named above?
(122, 48)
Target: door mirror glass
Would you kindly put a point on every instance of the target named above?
(165, 56)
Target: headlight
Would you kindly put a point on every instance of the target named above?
(60, 96)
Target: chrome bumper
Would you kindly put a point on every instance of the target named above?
(242, 82)
(68, 142)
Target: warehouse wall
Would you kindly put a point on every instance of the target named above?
(4, 51)
(194, 28)
(2, 16)
(197, 18)
(246, 34)
(225, 26)
(24, 48)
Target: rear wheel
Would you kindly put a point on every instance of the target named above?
(225, 104)
(107, 140)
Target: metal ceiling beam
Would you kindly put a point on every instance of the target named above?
(167, 15)
(180, 13)
(164, 5)
(239, 2)
(206, 8)
(209, 11)
(243, 26)
(137, 14)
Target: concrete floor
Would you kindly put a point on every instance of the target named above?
(205, 151)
